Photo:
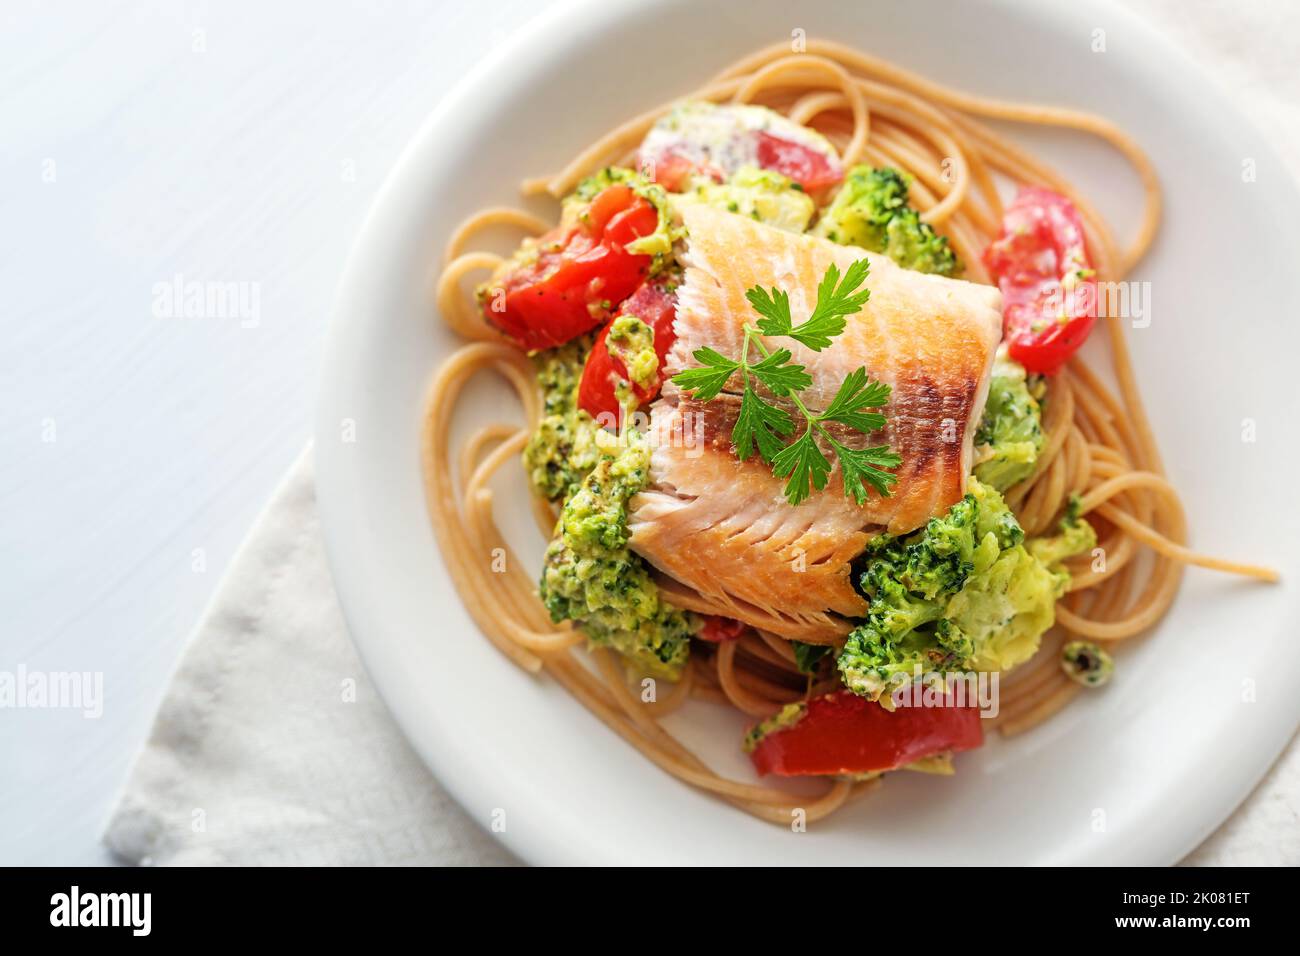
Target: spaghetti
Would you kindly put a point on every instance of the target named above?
(1099, 443)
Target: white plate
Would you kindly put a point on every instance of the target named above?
(1139, 773)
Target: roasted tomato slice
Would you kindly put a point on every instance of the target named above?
(654, 305)
(810, 168)
(1041, 263)
(843, 733)
(704, 139)
(672, 169)
(579, 276)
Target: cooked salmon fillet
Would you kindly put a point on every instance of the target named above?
(723, 527)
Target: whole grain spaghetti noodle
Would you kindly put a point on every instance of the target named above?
(1099, 444)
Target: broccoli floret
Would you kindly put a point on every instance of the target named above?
(958, 594)
(1086, 663)
(871, 211)
(908, 582)
(873, 661)
(937, 560)
(1004, 610)
(1010, 435)
(894, 609)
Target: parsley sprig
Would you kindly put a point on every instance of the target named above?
(764, 427)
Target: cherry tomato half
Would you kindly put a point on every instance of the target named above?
(810, 168)
(656, 307)
(580, 275)
(1041, 263)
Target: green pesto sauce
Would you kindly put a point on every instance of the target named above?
(787, 716)
(591, 577)
(563, 448)
(760, 194)
(1086, 663)
(632, 342)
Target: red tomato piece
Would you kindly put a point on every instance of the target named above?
(638, 219)
(718, 141)
(719, 630)
(656, 307)
(844, 733)
(579, 276)
(671, 170)
(810, 168)
(1041, 263)
(608, 203)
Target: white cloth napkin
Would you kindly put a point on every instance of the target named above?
(263, 752)
(272, 746)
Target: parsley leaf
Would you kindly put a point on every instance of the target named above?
(708, 380)
(759, 423)
(857, 393)
(803, 461)
(808, 656)
(780, 375)
(835, 300)
(774, 307)
(866, 464)
(764, 426)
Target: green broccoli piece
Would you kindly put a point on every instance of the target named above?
(871, 211)
(894, 609)
(908, 582)
(964, 541)
(873, 663)
(960, 593)
(1010, 435)
(1004, 610)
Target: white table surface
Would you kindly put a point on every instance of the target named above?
(247, 152)
(222, 142)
